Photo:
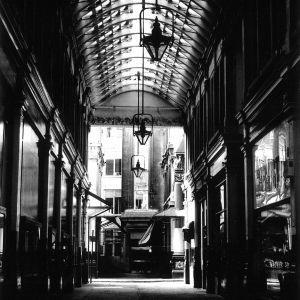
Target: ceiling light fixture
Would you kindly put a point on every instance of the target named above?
(155, 42)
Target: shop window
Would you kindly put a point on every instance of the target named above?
(273, 171)
(112, 243)
(220, 214)
(273, 168)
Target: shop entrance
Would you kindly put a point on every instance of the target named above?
(277, 254)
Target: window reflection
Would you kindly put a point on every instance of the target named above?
(272, 167)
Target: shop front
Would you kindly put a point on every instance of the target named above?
(273, 213)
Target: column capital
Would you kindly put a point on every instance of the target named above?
(45, 145)
(19, 107)
(71, 179)
(59, 163)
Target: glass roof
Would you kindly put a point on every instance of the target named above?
(108, 41)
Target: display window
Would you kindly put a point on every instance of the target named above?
(273, 166)
(273, 172)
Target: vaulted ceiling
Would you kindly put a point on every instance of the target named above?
(108, 40)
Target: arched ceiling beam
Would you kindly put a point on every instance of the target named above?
(125, 59)
(147, 88)
(131, 73)
(108, 37)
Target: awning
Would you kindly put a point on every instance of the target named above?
(171, 212)
(97, 197)
(112, 219)
(188, 231)
(145, 240)
(98, 211)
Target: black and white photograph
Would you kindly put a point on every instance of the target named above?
(150, 149)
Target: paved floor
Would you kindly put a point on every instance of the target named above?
(138, 289)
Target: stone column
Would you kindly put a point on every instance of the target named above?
(13, 280)
(252, 259)
(186, 271)
(234, 267)
(45, 146)
(78, 234)
(84, 239)
(197, 257)
(234, 218)
(56, 280)
(70, 272)
(211, 261)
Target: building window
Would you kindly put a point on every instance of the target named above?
(113, 167)
(138, 203)
(115, 200)
(273, 166)
(117, 205)
(266, 27)
(118, 166)
(220, 214)
(112, 242)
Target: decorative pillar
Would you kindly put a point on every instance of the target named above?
(234, 266)
(56, 280)
(45, 146)
(13, 279)
(197, 237)
(78, 234)
(84, 239)
(186, 248)
(211, 253)
(178, 195)
(69, 285)
(70, 184)
(234, 218)
(253, 262)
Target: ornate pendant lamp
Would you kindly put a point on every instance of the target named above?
(136, 161)
(139, 127)
(140, 120)
(156, 43)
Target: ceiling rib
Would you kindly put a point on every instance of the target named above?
(107, 35)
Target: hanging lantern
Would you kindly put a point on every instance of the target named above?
(155, 43)
(136, 167)
(139, 127)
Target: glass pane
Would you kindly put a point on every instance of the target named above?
(30, 172)
(110, 200)
(118, 166)
(64, 201)
(276, 244)
(272, 167)
(117, 205)
(109, 167)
